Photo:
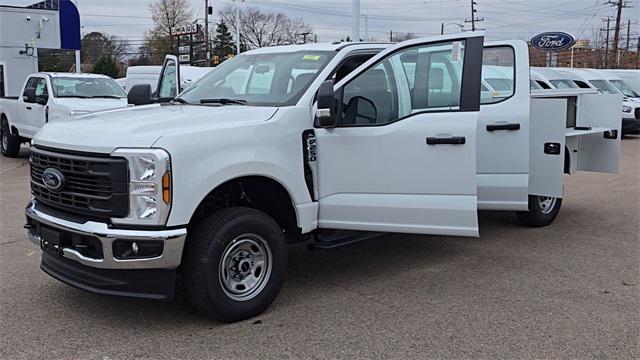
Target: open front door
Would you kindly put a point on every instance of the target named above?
(169, 81)
(402, 156)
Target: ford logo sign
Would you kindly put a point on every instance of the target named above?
(52, 179)
(553, 41)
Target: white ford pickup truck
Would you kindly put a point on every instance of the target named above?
(54, 97)
(325, 143)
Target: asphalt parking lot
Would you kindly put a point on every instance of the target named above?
(571, 290)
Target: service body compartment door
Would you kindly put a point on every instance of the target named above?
(402, 157)
(597, 152)
(547, 147)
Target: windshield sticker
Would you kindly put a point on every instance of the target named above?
(455, 51)
(311, 57)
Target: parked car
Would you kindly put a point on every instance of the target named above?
(324, 143)
(54, 97)
(596, 79)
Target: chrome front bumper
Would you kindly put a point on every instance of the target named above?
(173, 241)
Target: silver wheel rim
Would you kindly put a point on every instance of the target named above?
(245, 267)
(546, 204)
(5, 140)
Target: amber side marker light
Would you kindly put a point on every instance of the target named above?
(166, 187)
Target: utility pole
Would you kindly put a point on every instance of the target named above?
(606, 43)
(628, 35)
(206, 32)
(619, 4)
(474, 19)
(390, 35)
(355, 31)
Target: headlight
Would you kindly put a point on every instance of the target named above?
(79, 112)
(626, 108)
(149, 186)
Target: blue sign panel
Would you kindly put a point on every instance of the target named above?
(553, 41)
(69, 26)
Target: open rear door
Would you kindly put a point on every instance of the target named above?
(547, 147)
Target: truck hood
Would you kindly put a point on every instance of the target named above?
(142, 126)
(96, 104)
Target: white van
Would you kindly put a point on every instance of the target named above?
(553, 78)
(631, 77)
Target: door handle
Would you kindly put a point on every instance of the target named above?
(495, 127)
(454, 140)
(28, 107)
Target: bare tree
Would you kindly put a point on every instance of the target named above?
(260, 29)
(166, 15)
(398, 36)
(96, 45)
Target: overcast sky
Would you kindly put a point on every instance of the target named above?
(331, 19)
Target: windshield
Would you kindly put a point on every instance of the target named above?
(275, 79)
(624, 88)
(564, 84)
(604, 87)
(86, 87)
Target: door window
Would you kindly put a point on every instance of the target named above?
(41, 87)
(168, 86)
(498, 70)
(31, 84)
(415, 79)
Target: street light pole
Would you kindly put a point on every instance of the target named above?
(206, 32)
(78, 61)
(238, 27)
(366, 27)
(443, 25)
(355, 33)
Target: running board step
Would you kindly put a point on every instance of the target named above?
(332, 239)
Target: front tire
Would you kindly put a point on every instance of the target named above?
(235, 263)
(9, 143)
(543, 210)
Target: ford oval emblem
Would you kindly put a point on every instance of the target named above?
(553, 41)
(52, 179)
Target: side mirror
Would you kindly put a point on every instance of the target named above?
(42, 99)
(29, 95)
(326, 112)
(140, 95)
(361, 110)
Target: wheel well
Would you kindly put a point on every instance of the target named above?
(3, 119)
(256, 192)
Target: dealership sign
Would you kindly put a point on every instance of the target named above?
(188, 29)
(553, 41)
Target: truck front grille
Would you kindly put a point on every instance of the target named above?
(92, 186)
(638, 113)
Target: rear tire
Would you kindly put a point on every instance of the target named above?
(9, 143)
(543, 210)
(234, 264)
